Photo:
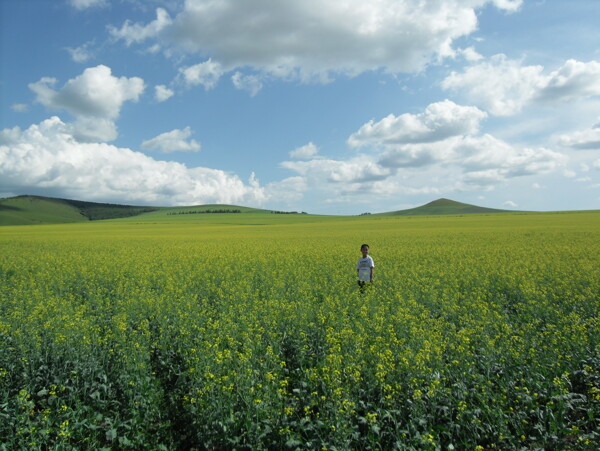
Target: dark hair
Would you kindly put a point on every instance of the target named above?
(364, 245)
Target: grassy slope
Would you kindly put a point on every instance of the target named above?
(23, 210)
(246, 216)
(445, 207)
(37, 210)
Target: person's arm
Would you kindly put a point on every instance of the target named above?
(372, 273)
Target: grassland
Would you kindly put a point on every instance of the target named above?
(207, 331)
(444, 207)
(27, 210)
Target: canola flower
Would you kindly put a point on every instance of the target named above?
(480, 333)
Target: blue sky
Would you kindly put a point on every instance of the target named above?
(327, 107)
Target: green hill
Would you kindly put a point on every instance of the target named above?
(444, 207)
(23, 210)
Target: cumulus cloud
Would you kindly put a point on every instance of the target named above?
(135, 33)
(206, 74)
(305, 152)
(96, 92)
(310, 40)
(162, 93)
(342, 181)
(572, 81)
(85, 4)
(447, 133)
(487, 152)
(357, 170)
(94, 97)
(46, 156)
(93, 129)
(249, 83)
(474, 154)
(418, 155)
(439, 121)
(288, 190)
(173, 141)
(583, 139)
(503, 86)
(82, 53)
(421, 152)
(508, 5)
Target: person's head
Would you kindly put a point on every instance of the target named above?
(364, 249)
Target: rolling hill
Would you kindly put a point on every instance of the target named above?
(22, 210)
(445, 207)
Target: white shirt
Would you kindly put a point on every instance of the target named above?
(364, 266)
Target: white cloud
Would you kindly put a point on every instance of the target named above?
(305, 152)
(249, 83)
(343, 181)
(447, 134)
(487, 152)
(500, 85)
(508, 5)
(510, 204)
(85, 4)
(311, 40)
(288, 190)
(574, 80)
(82, 53)
(96, 92)
(470, 54)
(439, 121)
(135, 33)
(94, 97)
(206, 74)
(482, 179)
(419, 153)
(47, 157)
(162, 93)
(93, 129)
(504, 86)
(583, 139)
(19, 107)
(357, 170)
(173, 141)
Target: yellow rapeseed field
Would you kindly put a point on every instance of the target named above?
(479, 332)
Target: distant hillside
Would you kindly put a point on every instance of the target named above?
(444, 207)
(23, 210)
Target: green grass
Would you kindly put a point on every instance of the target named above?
(23, 210)
(47, 210)
(247, 331)
(444, 207)
(36, 210)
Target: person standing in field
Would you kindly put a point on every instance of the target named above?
(365, 268)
